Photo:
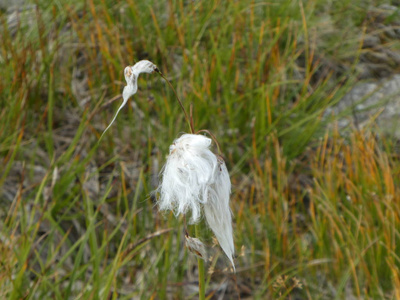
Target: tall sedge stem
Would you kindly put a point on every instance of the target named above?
(179, 100)
(200, 263)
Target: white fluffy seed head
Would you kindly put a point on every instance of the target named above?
(187, 175)
(193, 177)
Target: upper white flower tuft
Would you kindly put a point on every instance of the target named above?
(195, 176)
(131, 77)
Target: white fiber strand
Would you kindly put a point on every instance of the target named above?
(218, 213)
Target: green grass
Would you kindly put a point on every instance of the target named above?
(316, 208)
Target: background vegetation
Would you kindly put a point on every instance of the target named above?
(316, 206)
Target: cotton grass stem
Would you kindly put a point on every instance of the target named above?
(200, 264)
(179, 100)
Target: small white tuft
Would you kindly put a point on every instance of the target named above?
(143, 66)
(192, 176)
(196, 246)
(131, 77)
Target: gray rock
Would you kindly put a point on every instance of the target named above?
(11, 4)
(379, 101)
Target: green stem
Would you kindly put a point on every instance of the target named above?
(200, 263)
(179, 100)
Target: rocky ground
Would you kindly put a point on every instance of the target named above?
(376, 95)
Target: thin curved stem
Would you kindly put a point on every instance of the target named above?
(191, 117)
(179, 100)
(189, 120)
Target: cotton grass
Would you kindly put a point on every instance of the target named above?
(194, 178)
